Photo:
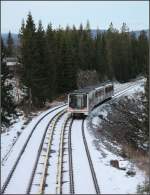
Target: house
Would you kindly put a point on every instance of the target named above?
(12, 63)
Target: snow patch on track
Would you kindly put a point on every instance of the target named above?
(82, 175)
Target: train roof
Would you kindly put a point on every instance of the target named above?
(90, 88)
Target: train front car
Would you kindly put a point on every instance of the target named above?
(77, 104)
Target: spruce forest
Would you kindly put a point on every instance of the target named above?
(51, 59)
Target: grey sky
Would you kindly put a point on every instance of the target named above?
(99, 13)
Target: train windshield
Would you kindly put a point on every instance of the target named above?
(78, 101)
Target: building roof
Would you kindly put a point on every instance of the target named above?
(11, 61)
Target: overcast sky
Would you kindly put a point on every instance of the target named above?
(99, 13)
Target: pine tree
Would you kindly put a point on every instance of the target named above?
(134, 56)
(98, 55)
(70, 66)
(124, 28)
(110, 43)
(40, 69)
(59, 62)
(74, 35)
(51, 47)
(143, 52)
(28, 54)
(125, 43)
(86, 48)
(66, 76)
(7, 104)
(104, 62)
(80, 30)
(123, 55)
(144, 46)
(81, 53)
(10, 45)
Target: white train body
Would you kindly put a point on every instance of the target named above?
(84, 100)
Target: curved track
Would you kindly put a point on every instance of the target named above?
(48, 134)
(23, 149)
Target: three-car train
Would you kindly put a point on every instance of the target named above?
(82, 101)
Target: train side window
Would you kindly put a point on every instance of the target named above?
(96, 94)
(108, 89)
(72, 101)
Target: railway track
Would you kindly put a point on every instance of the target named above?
(47, 134)
(60, 170)
(97, 189)
(126, 86)
(121, 92)
(66, 129)
(71, 177)
(116, 95)
(10, 175)
(95, 181)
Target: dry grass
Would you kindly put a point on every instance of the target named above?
(140, 157)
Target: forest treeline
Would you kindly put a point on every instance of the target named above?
(52, 58)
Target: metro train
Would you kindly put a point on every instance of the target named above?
(82, 101)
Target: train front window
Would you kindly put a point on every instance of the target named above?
(78, 101)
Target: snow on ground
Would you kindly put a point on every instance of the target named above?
(52, 169)
(112, 180)
(51, 178)
(136, 89)
(121, 86)
(25, 166)
(83, 182)
(65, 176)
(9, 138)
(17, 92)
(29, 154)
(131, 93)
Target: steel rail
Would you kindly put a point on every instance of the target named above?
(22, 151)
(58, 115)
(60, 157)
(70, 160)
(123, 91)
(90, 161)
